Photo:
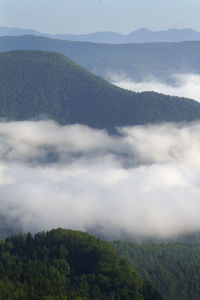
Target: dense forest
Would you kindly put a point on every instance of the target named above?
(66, 264)
(135, 61)
(36, 84)
(174, 268)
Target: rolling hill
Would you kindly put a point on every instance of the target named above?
(35, 83)
(66, 264)
(135, 61)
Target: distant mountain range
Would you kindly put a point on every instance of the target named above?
(137, 62)
(35, 83)
(141, 35)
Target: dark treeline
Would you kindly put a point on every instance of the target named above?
(66, 264)
(174, 268)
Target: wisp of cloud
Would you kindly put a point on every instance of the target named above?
(141, 183)
(185, 85)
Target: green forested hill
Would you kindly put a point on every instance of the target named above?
(135, 61)
(34, 83)
(65, 264)
(174, 268)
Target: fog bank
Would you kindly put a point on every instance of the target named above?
(144, 182)
(184, 85)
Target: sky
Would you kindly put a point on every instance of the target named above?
(84, 16)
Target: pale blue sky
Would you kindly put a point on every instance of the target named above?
(84, 16)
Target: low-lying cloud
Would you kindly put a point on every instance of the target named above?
(184, 85)
(143, 182)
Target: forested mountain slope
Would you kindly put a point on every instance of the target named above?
(35, 83)
(174, 268)
(66, 264)
(135, 61)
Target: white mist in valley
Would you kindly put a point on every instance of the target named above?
(143, 182)
(184, 85)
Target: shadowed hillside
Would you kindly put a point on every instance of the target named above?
(34, 83)
(174, 268)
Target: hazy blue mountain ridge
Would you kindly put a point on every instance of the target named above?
(135, 61)
(141, 35)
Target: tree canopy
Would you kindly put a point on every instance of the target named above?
(66, 264)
